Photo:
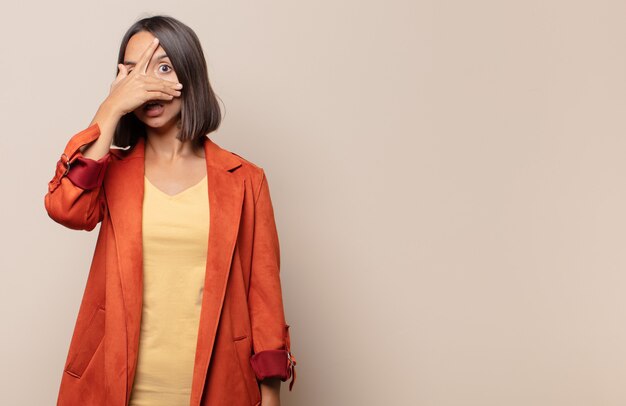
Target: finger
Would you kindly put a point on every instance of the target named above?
(163, 83)
(123, 72)
(159, 96)
(144, 60)
(163, 87)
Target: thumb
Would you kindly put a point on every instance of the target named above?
(123, 69)
(123, 72)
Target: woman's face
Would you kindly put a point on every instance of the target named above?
(161, 67)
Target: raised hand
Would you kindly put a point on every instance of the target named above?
(131, 90)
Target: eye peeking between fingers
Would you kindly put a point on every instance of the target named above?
(168, 70)
(167, 66)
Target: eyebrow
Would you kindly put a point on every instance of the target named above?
(162, 56)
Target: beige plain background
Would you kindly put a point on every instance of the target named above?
(447, 178)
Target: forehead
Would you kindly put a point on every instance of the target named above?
(138, 43)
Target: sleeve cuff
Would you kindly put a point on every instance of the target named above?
(88, 173)
(274, 364)
(270, 364)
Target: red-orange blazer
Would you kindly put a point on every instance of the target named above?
(242, 336)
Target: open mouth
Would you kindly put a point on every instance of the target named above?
(153, 109)
(152, 105)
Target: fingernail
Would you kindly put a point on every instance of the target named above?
(178, 85)
(155, 40)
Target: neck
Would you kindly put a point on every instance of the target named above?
(162, 143)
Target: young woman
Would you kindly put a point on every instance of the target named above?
(183, 302)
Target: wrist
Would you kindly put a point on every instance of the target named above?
(270, 390)
(109, 111)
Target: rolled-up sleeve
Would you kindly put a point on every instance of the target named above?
(87, 173)
(75, 196)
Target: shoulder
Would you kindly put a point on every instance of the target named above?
(248, 166)
(253, 172)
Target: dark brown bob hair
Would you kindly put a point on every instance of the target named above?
(200, 111)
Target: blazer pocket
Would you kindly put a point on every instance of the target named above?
(87, 345)
(243, 349)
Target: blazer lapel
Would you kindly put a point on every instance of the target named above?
(226, 193)
(124, 187)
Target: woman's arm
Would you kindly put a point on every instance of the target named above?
(272, 360)
(75, 197)
(107, 118)
(270, 392)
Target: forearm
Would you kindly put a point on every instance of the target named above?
(107, 119)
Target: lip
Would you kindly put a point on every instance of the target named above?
(154, 112)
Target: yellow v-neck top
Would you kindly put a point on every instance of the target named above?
(175, 238)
